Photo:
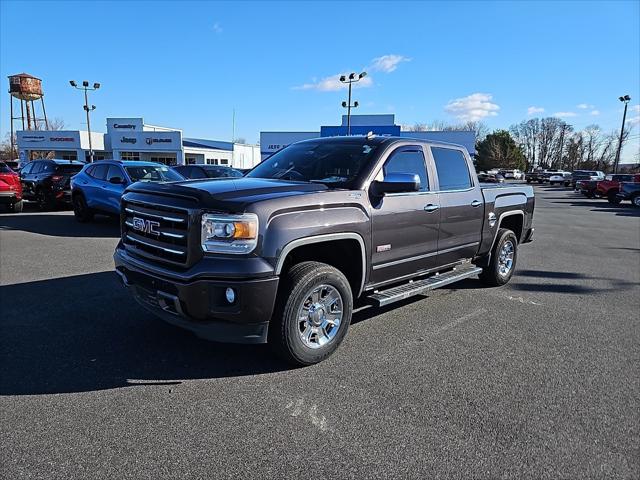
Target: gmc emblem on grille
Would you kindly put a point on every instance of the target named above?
(146, 226)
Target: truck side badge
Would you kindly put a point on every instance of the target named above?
(383, 248)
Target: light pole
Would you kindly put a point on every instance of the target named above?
(625, 100)
(353, 78)
(85, 87)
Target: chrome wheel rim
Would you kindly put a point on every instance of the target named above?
(636, 201)
(505, 258)
(320, 316)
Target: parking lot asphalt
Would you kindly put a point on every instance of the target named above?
(537, 379)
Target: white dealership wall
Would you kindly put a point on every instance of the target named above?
(131, 137)
(64, 143)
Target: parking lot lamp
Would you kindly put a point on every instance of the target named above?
(351, 79)
(624, 100)
(85, 86)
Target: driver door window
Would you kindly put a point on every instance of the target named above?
(408, 159)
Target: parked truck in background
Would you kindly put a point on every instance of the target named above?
(282, 254)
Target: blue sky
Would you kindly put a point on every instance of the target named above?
(189, 64)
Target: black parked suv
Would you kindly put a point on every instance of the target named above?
(207, 171)
(48, 181)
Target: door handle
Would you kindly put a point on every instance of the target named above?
(431, 208)
(476, 203)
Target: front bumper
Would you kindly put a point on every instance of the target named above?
(199, 304)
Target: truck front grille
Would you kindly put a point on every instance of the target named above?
(157, 232)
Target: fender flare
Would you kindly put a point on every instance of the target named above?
(321, 239)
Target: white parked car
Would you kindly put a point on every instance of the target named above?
(560, 178)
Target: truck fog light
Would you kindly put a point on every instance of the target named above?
(230, 294)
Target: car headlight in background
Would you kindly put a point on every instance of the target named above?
(229, 233)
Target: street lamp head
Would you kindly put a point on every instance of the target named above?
(344, 104)
(93, 107)
(355, 104)
(352, 76)
(73, 83)
(343, 78)
(96, 85)
(363, 74)
(85, 83)
(627, 98)
(621, 99)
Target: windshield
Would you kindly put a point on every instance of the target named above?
(335, 164)
(153, 173)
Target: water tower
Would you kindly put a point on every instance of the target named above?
(27, 89)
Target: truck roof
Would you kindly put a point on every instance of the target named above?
(378, 140)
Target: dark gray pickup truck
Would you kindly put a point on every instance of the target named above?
(280, 255)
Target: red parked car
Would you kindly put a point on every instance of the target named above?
(10, 189)
(610, 186)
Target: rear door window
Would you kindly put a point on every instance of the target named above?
(409, 159)
(452, 168)
(68, 169)
(37, 167)
(26, 170)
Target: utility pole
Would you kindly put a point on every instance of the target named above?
(85, 87)
(625, 100)
(353, 78)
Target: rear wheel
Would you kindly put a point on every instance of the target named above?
(503, 259)
(312, 315)
(635, 201)
(81, 211)
(613, 199)
(46, 201)
(16, 207)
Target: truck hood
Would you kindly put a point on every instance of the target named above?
(227, 194)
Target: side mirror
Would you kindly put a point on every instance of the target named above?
(116, 181)
(396, 183)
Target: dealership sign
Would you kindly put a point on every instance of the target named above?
(148, 141)
(31, 138)
(126, 126)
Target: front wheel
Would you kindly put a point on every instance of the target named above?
(312, 315)
(81, 211)
(503, 259)
(636, 201)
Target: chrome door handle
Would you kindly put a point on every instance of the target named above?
(476, 203)
(431, 208)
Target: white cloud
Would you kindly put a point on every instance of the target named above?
(633, 121)
(473, 107)
(387, 63)
(635, 108)
(534, 110)
(216, 28)
(585, 106)
(594, 112)
(565, 114)
(332, 83)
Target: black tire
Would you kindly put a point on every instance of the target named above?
(635, 201)
(46, 201)
(81, 211)
(613, 199)
(285, 336)
(16, 207)
(492, 274)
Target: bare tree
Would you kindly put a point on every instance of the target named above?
(56, 124)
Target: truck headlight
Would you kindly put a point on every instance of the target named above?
(229, 233)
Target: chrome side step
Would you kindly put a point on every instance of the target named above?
(381, 298)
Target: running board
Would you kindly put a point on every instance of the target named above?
(381, 298)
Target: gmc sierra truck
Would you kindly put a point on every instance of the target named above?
(280, 255)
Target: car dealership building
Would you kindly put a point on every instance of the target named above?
(132, 139)
(271, 142)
